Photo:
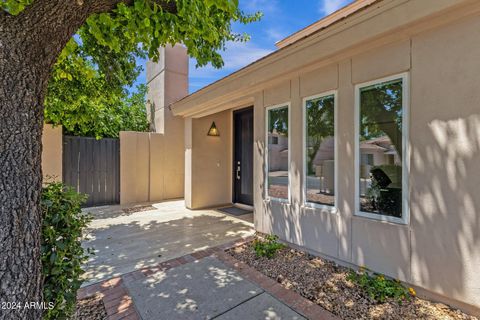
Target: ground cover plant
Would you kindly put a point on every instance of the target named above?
(347, 293)
(268, 246)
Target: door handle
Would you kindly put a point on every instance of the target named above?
(238, 171)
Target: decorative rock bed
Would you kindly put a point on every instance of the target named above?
(326, 283)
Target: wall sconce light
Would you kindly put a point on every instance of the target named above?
(213, 132)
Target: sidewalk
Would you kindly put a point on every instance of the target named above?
(208, 284)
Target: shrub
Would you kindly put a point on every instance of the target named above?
(267, 247)
(378, 287)
(61, 252)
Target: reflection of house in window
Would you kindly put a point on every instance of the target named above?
(366, 159)
(278, 151)
(377, 152)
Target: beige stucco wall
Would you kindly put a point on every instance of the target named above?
(144, 175)
(445, 143)
(439, 250)
(209, 161)
(52, 144)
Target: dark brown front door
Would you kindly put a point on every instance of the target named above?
(243, 156)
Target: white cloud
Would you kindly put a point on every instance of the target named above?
(265, 6)
(329, 6)
(275, 34)
(237, 55)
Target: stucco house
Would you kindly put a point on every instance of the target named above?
(358, 139)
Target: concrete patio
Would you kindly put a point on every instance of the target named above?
(124, 242)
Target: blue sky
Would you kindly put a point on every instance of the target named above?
(280, 19)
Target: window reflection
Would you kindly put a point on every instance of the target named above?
(320, 150)
(278, 164)
(380, 151)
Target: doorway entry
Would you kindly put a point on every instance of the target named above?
(243, 156)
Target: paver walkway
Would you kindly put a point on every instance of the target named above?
(207, 284)
(206, 289)
(127, 242)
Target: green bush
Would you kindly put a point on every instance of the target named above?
(378, 287)
(268, 247)
(61, 252)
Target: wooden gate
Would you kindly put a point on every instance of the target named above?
(92, 167)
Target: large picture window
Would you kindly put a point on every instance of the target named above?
(278, 153)
(381, 109)
(319, 150)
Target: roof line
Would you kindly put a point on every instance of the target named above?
(326, 21)
(366, 3)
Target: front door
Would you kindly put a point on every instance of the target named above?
(243, 156)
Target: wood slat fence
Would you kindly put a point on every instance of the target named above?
(92, 167)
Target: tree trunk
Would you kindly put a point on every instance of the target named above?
(30, 44)
(21, 125)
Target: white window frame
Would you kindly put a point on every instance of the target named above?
(405, 149)
(266, 195)
(332, 209)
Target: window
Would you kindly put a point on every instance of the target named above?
(381, 130)
(319, 150)
(278, 153)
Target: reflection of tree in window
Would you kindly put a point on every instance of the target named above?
(278, 121)
(278, 153)
(381, 135)
(320, 124)
(381, 112)
(320, 150)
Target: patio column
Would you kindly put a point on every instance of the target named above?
(188, 163)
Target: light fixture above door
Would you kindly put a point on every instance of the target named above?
(213, 132)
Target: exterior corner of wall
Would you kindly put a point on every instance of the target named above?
(157, 169)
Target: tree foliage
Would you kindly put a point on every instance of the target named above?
(87, 91)
(203, 26)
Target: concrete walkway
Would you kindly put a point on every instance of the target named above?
(127, 242)
(205, 289)
(207, 284)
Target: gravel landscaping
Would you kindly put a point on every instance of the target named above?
(325, 283)
(90, 309)
(138, 209)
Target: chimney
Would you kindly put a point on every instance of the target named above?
(167, 82)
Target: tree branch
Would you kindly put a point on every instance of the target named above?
(48, 25)
(108, 5)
